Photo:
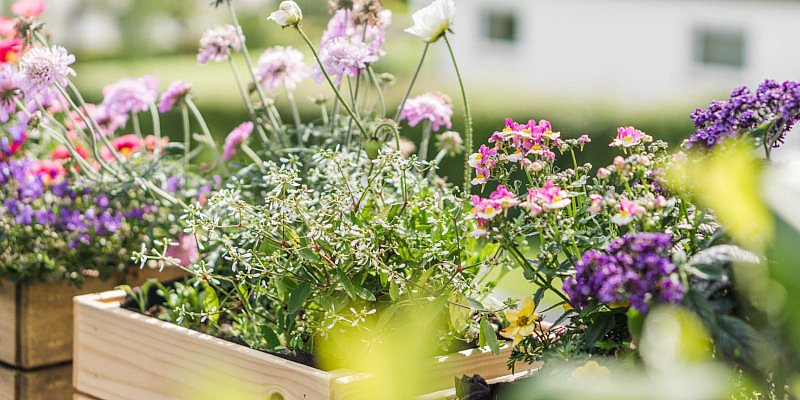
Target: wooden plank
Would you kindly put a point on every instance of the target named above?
(122, 355)
(52, 383)
(41, 314)
(8, 322)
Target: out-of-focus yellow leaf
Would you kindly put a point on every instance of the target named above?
(728, 182)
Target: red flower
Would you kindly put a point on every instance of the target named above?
(125, 145)
(9, 48)
(61, 153)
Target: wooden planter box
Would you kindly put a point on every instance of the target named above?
(52, 383)
(124, 355)
(36, 319)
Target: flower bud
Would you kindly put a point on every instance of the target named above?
(619, 161)
(603, 173)
(451, 142)
(536, 166)
(288, 14)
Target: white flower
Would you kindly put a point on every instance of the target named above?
(289, 13)
(431, 22)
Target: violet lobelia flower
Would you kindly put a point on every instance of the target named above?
(236, 138)
(434, 107)
(174, 94)
(130, 95)
(218, 42)
(633, 270)
(41, 67)
(281, 67)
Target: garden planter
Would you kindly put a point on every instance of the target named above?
(52, 383)
(124, 355)
(36, 319)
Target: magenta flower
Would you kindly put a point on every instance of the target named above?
(584, 139)
(482, 161)
(628, 211)
(130, 95)
(236, 138)
(41, 67)
(218, 42)
(175, 92)
(433, 107)
(281, 67)
(504, 198)
(552, 197)
(483, 210)
(531, 204)
(342, 58)
(185, 252)
(629, 137)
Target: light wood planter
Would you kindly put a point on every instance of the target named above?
(124, 355)
(36, 319)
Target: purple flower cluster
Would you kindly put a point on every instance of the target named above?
(772, 102)
(633, 270)
(28, 199)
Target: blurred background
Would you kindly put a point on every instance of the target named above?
(588, 66)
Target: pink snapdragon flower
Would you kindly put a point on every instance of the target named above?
(584, 139)
(28, 8)
(552, 197)
(175, 92)
(628, 211)
(434, 107)
(237, 137)
(504, 198)
(281, 67)
(531, 204)
(482, 161)
(518, 141)
(483, 211)
(629, 137)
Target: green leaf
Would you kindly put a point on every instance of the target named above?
(722, 255)
(309, 255)
(347, 283)
(425, 276)
(327, 303)
(736, 339)
(602, 325)
(394, 290)
(488, 337)
(210, 302)
(298, 296)
(635, 324)
(459, 315)
(269, 336)
(387, 315)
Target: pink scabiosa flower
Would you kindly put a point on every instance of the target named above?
(552, 197)
(451, 142)
(407, 147)
(341, 58)
(236, 138)
(629, 137)
(434, 107)
(218, 42)
(28, 8)
(348, 24)
(628, 211)
(107, 121)
(281, 67)
(185, 252)
(175, 92)
(41, 67)
(130, 95)
(504, 198)
(9, 82)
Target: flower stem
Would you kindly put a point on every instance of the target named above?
(426, 137)
(204, 128)
(156, 128)
(246, 100)
(467, 115)
(378, 89)
(252, 154)
(187, 134)
(411, 85)
(330, 82)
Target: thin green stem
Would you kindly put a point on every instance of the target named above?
(413, 81)
(427, 130)
(252, 154)
(187, 134)
(330, 82)
(467, 116)
(396, 135)
(206, 132)
(246, 100)
(156, 128)
(378, 89)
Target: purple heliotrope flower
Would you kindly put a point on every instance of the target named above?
(777, 104)
(281, 67)
(130, 95)
(633, 270)
(175, 92)
(236, 138)
(341, 58)
(218, 42)
(433, 107)
(41, 67)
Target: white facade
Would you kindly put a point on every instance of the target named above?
(627, 51)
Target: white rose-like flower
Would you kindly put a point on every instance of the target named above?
(431, 22)
(288, 14)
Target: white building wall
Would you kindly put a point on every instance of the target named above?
(630, 51)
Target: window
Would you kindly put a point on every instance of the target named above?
(719, 48)
(499, 26)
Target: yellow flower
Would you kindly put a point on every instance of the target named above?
(592, 369)
(523, 321)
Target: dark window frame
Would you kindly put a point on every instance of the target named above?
(720, 47)
(499, 25)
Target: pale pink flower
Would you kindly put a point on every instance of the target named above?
(185, 251)
(218, 42)
(595, 206)
(341, 58)
(407, 147)
(41, 67)
(281, 67)
(175, 92)
(603, 173)
(628, 211)
(552, 197)
(28, 8)
(130, 95)
(433, 107)
(504, 198)
(629, 137)
(236, 138)
(531, 204)
(584, 139)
